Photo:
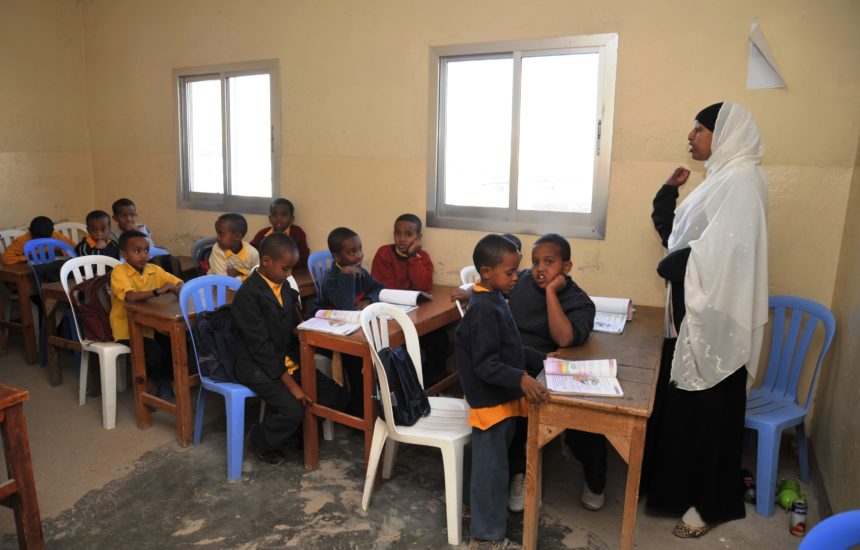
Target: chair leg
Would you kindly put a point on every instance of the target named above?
(121, 372)
(767, 463)
(198, 417)
(803, 452)
(388, 460)
(107, 372)
(328, 430)
(380, 434)
(452, 458)
(262, 411)
(82, 380)
(235, 436)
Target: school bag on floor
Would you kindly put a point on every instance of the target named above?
(215, 341)
(408, 399)
(92, 307)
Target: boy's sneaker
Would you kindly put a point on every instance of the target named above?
(592, 501)
(502, 544)
(269, 457)
(517, 494)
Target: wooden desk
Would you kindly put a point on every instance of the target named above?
(622, 421)
(162, 314)
(21, 276)
(429, 316)
(52, 296)
(19, 491)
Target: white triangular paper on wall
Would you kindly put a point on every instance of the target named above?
(762, 71)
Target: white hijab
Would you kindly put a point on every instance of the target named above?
(724, 222)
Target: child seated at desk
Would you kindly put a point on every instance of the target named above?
(281, 218)
(125, 216)
(231, 255)
(136, 280)
(405, 265)
(494, 370)
(41, 227)
(265, 314)
(98, 241)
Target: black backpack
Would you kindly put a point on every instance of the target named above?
(215, 342)
(408, 399)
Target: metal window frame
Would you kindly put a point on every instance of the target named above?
(512, 220)
(225, 201)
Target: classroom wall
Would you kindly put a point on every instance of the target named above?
(45, 164)
(837, 443)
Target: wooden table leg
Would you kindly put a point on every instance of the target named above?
(631, 496)
(138, 371)
(4, 296)
(309, 386)
(49, 325)
(20, 468)
(533, 480)
(31, 347)
(181, 384)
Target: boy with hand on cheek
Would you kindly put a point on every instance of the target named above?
(347, 285)
(98, 241)
(265, 314)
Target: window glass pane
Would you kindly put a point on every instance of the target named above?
(205, 164)
(558, 129)
(477, 145)
(250, 136)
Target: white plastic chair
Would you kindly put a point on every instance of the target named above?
(75, 231)
(8, 294)
(445, 427)
(112, 369)
(469, 275)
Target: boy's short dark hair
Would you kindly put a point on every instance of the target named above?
(411, 218)
(41, 227)
(337, 237)
(127, 236)
(514, 239)
(97, 215)
(282, 202)
(490, 250)
(121, 203)
(277, 244)
(555, 238)
(235, 222)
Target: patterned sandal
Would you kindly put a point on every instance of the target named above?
(685, 531)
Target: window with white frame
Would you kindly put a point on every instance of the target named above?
(228, 136)
(520, 135)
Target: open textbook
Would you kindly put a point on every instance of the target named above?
(407, 300)
(333, 321)
(594, 378)
(612, 314)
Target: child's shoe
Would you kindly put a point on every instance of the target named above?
(517, 494)
(592, 501)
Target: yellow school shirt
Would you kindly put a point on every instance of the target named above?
(124, 279)
(276, 289)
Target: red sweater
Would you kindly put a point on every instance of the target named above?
(396, 272)
(297, 234)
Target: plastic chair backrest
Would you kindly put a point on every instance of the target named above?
(154, 251)
(319, 263)
(7, 236)
(81, 269)
(42, 251)
(834, 533)
(374, 324)
(75, 231)
(208, 293)
(200, 246)
(469, 275)
(788, 347)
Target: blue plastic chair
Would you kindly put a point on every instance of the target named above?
(208, 293)
(154, 251)
(43, 251)
(774, 406)
(318, 265)
(839, 532)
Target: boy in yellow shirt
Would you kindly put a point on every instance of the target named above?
(138, 281)
(40, 228)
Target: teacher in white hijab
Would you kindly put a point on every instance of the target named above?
(716, 267)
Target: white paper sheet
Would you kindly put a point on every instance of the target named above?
(762, 71)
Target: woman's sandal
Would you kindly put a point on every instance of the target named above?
(685, 531)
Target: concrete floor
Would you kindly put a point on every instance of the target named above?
(127, 488)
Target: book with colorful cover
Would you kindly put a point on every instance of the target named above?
(333, 321)
(595, 378)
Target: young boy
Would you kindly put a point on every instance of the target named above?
(125, 216)
(137, 281)
(281, 218)
(405, 265)
(231, 255)
(98, 241)
(492, 363)
(41, 227)
(265, 314)
(347, 285)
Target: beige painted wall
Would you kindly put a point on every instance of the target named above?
(837, 441)
(45, 164)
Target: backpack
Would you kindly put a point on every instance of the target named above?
(215, 342)
(168, 263)
(409, 401)
(92, 306)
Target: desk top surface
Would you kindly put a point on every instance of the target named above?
(10, 395)
(15, 269)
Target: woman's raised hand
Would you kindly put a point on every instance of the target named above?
(678, 177)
